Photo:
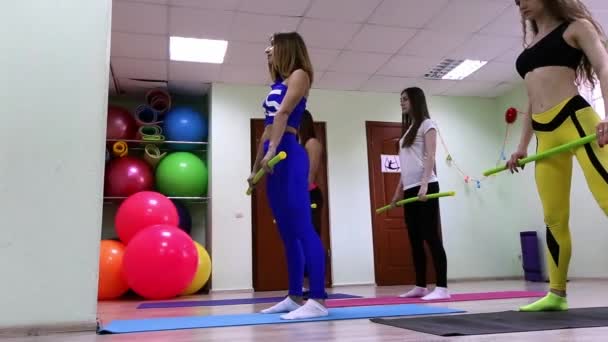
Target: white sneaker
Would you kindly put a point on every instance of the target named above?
(438, 293)
(416, 292)
(286, 305)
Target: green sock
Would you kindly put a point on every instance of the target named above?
(550, 302)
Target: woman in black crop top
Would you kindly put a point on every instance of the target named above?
(566, 48)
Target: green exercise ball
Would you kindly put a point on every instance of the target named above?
(181, 174)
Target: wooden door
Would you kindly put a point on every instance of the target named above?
(392, 252)
(269, 263)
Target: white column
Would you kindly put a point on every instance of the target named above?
(54, 69)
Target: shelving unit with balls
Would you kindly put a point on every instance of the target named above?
(155, 234)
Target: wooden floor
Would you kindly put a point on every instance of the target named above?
(583, 293)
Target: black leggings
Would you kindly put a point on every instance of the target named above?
(421, 219)
(316, 197)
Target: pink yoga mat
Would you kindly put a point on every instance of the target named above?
(457, 297)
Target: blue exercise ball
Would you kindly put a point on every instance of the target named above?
(185, 220)
(185, 124)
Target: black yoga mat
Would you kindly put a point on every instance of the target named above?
(501, 322)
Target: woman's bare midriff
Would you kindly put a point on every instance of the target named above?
(548, 86)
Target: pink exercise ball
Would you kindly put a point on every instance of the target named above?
(126, 176)
(160, 262)
(142, 210)
(120, 123)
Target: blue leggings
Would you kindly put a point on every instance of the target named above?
(287, 191)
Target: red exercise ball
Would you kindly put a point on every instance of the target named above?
(112, 283)
(142, 210)
(120, 124)
(160, 262)
(126, 176)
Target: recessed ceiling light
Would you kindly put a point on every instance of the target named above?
(197, 50)
(454, 69)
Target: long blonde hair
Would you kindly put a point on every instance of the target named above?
(289, 54)
(569, 11)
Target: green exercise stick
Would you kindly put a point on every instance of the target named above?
(414, 199)
(559, 149)
(282, 155)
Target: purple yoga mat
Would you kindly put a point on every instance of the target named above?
(219, 302)
(458, 297)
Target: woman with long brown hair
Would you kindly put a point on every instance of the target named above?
(565, 47)
(287, 182)
(418, 178)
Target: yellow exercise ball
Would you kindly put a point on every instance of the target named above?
(203, 272)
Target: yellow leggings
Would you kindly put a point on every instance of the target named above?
(569, 120)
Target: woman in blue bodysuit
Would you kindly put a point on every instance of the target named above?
(287, 183)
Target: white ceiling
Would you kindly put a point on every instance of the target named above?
(367, 45)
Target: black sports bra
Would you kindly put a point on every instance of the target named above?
(551, 50)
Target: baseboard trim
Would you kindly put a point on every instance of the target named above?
(244, 290)
(352, 284)
(48, 329)
(470, 279)
(588, 278)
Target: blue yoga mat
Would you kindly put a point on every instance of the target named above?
(214, 321)
(219, 302)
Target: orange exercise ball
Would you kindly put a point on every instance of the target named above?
(111, 284)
